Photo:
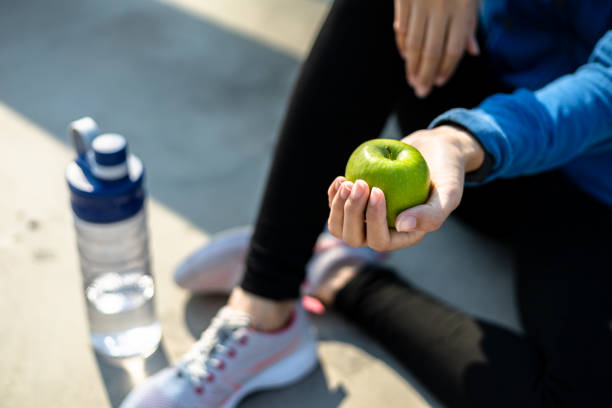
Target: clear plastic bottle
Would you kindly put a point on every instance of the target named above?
(108, 201)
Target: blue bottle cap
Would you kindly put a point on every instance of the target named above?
(106, 183)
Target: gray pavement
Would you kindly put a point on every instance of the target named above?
(200, 100)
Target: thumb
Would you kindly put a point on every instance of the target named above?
(431, 215)
(472, 45)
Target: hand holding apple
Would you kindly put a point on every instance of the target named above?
(450, 153)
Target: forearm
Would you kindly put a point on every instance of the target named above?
(529, 132)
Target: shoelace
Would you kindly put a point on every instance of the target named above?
(204, 355)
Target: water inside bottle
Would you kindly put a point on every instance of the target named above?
(121, 314)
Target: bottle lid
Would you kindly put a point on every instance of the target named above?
(106, 183)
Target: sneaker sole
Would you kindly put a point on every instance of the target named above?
(286, 372)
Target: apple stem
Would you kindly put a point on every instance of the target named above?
(390, 153)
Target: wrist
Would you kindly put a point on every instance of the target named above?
(471, 151)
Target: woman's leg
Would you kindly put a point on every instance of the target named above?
(465, 362)
(563, 287)
(347, 89)
(564, 276)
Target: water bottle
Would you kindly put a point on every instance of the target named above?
(107, 197)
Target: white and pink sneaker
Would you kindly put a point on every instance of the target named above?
(231, 360)
(218, 266)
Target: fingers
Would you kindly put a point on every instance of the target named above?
(400, 24)
(346, 220)
(431, 54)
(335, 223)
(414, 42)
(333, 189)
(353, 232)
(472, 45)
(431, 215)
(376, 215)
(455, 45)
(437, 35)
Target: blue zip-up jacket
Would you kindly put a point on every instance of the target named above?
(558, 54)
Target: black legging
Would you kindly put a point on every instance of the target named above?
(351, 82)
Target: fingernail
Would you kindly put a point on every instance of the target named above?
(406, 223)
(345, 189)
(439, 81)
(357, 191)
(375, 196)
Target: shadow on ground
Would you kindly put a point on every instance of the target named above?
(120, 376)
(199, 104)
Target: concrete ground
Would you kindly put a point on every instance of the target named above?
(199, 88)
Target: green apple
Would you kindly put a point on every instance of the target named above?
(397, 168)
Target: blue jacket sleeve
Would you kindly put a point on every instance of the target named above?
(529, 132)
